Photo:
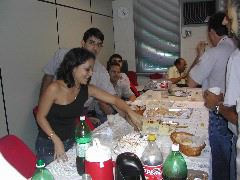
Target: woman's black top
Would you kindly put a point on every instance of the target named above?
(62, 118)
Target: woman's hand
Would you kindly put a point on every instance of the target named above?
(59, 152)
(135, 119)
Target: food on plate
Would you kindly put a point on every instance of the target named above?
(158, 126)
(168, 112)
(133, 142)
(189, 144)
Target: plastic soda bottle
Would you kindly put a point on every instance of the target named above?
(152, 160)
(83, 138)
(42, 173)
(175, 167)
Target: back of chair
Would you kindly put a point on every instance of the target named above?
(156, 76)
(132, 77)
(18, 154)
(134, 89)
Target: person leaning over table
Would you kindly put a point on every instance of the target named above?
(63, 101)
(210, 72)
(121, 87)
(93, 41)
(227, 108)
(176, 73)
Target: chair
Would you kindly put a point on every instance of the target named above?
(134, 89)
(132, 77)
(124, 68)
(155, 76)
(18, 154)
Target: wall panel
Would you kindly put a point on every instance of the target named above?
(106, 26)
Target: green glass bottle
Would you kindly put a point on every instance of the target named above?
(83, 138)
(42, 173)
(175, 167)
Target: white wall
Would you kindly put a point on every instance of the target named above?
(28, 40)
(124, 32)
(124, 37)
(188, 45)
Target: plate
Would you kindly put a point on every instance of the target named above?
(168, 112)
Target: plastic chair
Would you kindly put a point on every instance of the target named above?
(132, 77)
(18, 154)
(134, 89)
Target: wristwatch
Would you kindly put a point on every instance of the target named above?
(217, 109)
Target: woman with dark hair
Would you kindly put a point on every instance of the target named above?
(63, 101)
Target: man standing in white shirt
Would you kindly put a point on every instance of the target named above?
(93, 41)
(227, 108)
(210, 72)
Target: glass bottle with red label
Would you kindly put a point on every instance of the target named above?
(152, 160)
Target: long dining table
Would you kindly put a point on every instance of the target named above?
(116, 127)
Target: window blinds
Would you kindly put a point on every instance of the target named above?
(156, 32)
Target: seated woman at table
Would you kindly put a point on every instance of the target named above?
(63, 101)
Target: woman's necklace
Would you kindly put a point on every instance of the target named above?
(76, 88)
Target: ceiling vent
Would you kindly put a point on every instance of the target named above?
(197, 12)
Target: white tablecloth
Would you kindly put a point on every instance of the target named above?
(197, 125)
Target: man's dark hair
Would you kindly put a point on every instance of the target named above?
(114, 56)
(112, 64)
(177, 61)
(215, 23)
(93, 32)
(72, 59)
(110, 60)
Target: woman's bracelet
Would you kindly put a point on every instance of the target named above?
(51, 135)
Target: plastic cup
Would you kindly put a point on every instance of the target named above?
(86, 177)
(215, 90)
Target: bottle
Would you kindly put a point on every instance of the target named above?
(152, 160)
(175, 167)
(83, 138)
(42, 173)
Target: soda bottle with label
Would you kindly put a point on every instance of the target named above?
(152, 160)
(83, 138)
(42, 173)
(175, 167)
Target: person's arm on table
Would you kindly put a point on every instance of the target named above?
(176, 80)
(134, 119)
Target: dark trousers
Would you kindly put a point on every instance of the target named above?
(220, 138)
(45, 148)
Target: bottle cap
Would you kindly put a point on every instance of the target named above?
(82, 118)
(175, 147)
(40, 163)
(151, 137)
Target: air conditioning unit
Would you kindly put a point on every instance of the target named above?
(196, 12)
